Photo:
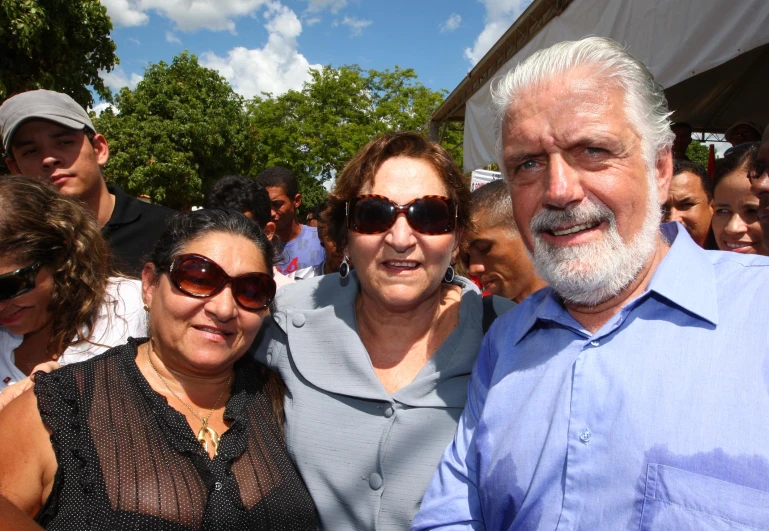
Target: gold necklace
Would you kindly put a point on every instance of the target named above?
(205, 429)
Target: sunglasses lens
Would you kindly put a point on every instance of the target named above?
(372, 215)
(197, 277)
(12, 287)
(254, 292)
(431, 215)
(18, 283)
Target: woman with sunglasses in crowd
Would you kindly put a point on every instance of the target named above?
(57, 299)
(735, 209)
(376, 359)
(175, 432)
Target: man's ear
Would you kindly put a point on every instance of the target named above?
(100, 148)
(297, 200)
(269, 230)
(664, 172)
(11, 163)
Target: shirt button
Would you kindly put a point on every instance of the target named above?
(585, 435)
(298, 320)
(218, 485)
(388, 412)
(595, 343)
(375, 481)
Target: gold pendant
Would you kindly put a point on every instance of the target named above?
(205, 429)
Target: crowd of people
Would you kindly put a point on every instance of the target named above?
(233, 368)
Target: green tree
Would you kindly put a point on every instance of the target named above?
(57, 45)
(178, 131)
(699, 153)
(315, 131)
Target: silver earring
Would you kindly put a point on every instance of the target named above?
(449, 275)
(344, 268)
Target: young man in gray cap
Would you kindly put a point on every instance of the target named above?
(48, 135)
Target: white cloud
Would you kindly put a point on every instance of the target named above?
(500, 15)
(189, 15)
(356, 25)
(312, 21)
(137, 42)
(334, 6)
(117, 79)
(101, 107)
(126, 12)
(276, 68)
(452, 23)
(170, 37)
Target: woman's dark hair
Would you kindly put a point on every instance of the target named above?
(186, 227)
(38, 224)
(361, 170)
(742, 156)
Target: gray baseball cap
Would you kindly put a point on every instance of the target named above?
(41, 105)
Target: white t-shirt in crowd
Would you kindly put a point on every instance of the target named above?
(120, 317)
(302, 254)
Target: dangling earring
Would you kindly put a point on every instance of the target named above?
(344, 267)
(146, 308)
(449, 275)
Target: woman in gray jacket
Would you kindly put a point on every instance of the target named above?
(376, 359)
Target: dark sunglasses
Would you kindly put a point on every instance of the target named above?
(18, 282)
(374, 214)
(201, 277)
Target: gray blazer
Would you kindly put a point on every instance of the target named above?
(367, 456)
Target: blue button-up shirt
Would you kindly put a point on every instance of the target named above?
(660, 420)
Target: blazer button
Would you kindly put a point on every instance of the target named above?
(375, 481)
(388, 412)
(298, 320)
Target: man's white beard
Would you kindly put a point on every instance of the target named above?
(591, 273)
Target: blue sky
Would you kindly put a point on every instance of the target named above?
(267, 45)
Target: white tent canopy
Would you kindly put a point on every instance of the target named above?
(678, 40)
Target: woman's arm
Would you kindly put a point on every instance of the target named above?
(10, 392)
(14, 518)
(27, 460)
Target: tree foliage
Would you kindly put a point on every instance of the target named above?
(178, 131)
(55, 44)
(183, 127)
(699, 153)
(317, 130)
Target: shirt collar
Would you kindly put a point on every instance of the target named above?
(685, 277)
(125, 211)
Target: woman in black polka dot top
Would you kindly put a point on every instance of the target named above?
(172, 433)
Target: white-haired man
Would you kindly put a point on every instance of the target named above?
(633, 393)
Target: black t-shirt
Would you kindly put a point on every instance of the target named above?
(133, 229)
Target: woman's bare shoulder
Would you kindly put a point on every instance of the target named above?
(28, 468)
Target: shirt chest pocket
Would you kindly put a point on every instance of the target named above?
(678, 499)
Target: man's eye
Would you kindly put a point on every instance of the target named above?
(595, 150)
(722, 211)
(28, 152)
(528, 165)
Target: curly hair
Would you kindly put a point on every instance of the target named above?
(38, 224)
(362, 168)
